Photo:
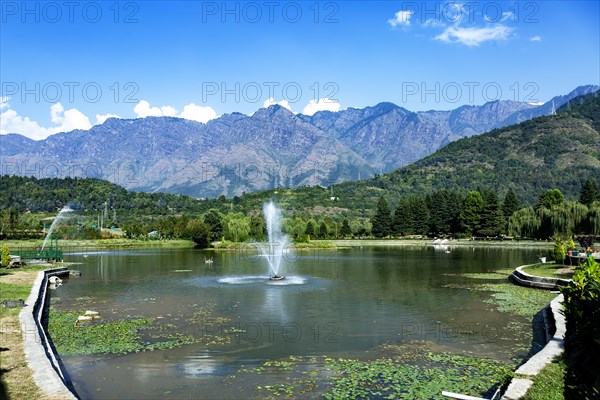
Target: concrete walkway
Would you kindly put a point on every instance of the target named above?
(520, 385)
(40, 356)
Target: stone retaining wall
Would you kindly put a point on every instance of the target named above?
(541, 282)
(520, 385)
(46, 369)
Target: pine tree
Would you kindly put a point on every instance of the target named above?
(346, 230)
(401, 219)
(311, 228)
(470, 217)
(492, 217)
(589, 193)
(323, 231)
(510, 204)
(419, 215)
(382, 219)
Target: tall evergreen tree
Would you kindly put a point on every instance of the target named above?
(214, 219)
(401, 220)
(492, 217)
(323, 231)
(589, 193)
(419, 215)
(382, 219)
(346, 230)
(510, 204)
(311, 228)
(470, 217)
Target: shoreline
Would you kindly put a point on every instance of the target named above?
(70, 246)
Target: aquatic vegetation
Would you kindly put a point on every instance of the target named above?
(419, 375)
(384, 378)
(124, 335)
(515, 299)
(112, 337)
(501, 275)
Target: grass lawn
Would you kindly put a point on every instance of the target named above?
(16, 381)
(550, 270)
(70, 245)
(549, 383)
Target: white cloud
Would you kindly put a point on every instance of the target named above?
(536, 38)
(321, 105)
(64, 120)
(143, 109)
(101, 118)
(504, 17)
(71, 119)
(190, 111)
(12, 122)
(474, 36)
(283, 103)
(507, 15)
(198, 113)
(401, 18)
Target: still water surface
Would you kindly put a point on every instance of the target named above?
(337, 304)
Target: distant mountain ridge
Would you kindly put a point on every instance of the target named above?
(236, 153)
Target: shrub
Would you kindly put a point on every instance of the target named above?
(5, 259)
(582, 341)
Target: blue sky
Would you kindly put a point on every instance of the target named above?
(64, 67)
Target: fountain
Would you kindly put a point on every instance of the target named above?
(60, 216)
(277, 242)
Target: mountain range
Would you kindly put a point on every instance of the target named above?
(236, 153)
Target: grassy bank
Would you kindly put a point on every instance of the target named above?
(16, 381)
(549, 383)
(550, 270)
(102, 243)
(429, 242)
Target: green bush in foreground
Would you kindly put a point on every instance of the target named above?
(582, 341)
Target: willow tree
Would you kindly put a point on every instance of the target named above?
(593, 220)
(237, 227)
(524, 223)
(567, 218)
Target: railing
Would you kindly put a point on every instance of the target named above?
(33, 254)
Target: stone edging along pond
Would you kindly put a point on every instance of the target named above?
(541, 282)
(39, 353)
(555, 346)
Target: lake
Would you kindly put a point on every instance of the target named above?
(342, 303)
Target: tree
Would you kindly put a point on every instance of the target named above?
(237, 227)
(589, 193)
(524, 223)
(346, 230)
(492, 217)
(382, 219)
(258, 227)
(444, 208)
(419, 215)
(550, 198)
(470, 217)
(323, 231)
(199, 232)
(214, 219)
(401, 219)
(311, 228)
(5, 259)
(510, 204)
